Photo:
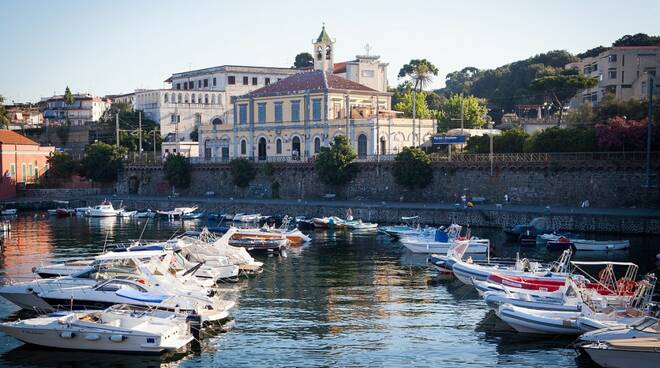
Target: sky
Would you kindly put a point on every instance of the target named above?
(117, 46)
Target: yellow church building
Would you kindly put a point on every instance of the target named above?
(293, 118)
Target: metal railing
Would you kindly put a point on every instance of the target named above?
(149, 159)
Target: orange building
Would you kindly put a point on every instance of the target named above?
(22, 161)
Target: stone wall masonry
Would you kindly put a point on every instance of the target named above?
(607, 185)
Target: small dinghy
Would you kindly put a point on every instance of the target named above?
(9, 212)
(118, 329)
(127, 214)
(260, 244)
(65, 212)
(359, 225)
(177, 212)
(193, 215)
(645, 327)
(587, 245)
(240, 217)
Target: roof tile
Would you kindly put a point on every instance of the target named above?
(11, 137)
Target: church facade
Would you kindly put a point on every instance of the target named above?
(293, 118)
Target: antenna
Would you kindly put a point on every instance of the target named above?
(143, 229)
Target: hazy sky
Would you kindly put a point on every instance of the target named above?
(116, 46)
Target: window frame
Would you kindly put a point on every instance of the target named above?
(278, 111)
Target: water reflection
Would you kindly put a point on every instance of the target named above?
(346, 299)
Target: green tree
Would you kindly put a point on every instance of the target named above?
(177, 170)
(61, 166)
(460, 81)
(304, 60)
(129, 125)
(555, 139)
(510, 141)
(68, 96)
(562, 87)
(474, 113)
(412, 168)
(420, 72)
(102, 162)
(434, 101)
(194, 135)
(583, 114)
(632, 109)
(639, 39)
(405, 104)
(4, 114)
(593, 52)
(242, 172)
(334, 163)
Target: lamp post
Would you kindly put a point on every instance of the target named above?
(490, 134)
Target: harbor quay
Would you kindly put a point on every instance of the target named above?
(606, 220)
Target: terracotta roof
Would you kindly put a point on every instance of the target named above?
(310, 81)
(11, 137)
(339, 68)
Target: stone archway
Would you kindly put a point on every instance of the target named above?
(262, 149)
(133, 185)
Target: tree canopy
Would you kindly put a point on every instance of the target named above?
(303, 60)
(420, 71)
(177, 171)
(4, 114)
(334, 163)
(242, 172)
(562, 87)
(639, 39)
(474, 113)
(68, 96)
(102, 162)
(412, 168)
(61, 166)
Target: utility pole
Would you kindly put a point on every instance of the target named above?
(649, 129)
(117, 126)
(490, 125)
(414, 102)
(462, 113)
(140, 132)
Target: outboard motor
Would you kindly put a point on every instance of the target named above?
(194, 322)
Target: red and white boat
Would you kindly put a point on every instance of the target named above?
(537, 283)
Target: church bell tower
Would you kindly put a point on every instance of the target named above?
(324, 50)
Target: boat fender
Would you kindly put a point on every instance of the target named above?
(117, 338)
(67, 335)
(92, 337)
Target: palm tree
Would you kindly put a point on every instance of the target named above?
(421, 72)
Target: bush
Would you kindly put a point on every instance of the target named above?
(555, 139)
(61, 166)
(102, 162)
(412, 168)
(625, 135)
(334, 163)
(177, 171)
(510, 141)
(267, 169)
(242, 172)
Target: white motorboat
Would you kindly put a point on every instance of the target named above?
(145, 214)
(9, 212)
(240, 217)
(359, 225)
(418, 244)
(83, 211)
(587, 245)
(331, 222)
(467, 271)
(537, 321)
(634, 352)
(104, 209)
(147, 284)
(118, 329)
(645, 327)
(177, 212)
(220, 247)
(127, 214)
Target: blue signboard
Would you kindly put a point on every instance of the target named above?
(449, 139)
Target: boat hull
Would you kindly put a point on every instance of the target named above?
(620, 358)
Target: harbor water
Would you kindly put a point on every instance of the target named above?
(345, 299)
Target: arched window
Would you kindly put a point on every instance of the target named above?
(328, 52)
(278, 146)
(317, 145)
(192, 98)
(167, 99)
(243, 147)
(213, 99)
(216, 121)
(206, 98)
(185, 98)
(295, 147)
(319, 53)
(179, 98)
(362, 146)
(262, 149)
(383, 146)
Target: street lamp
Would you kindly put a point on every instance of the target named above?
(490, 134)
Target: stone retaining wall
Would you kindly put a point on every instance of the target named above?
(604, 184)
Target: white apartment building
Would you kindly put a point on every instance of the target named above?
(621, 71)
(84, 108)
